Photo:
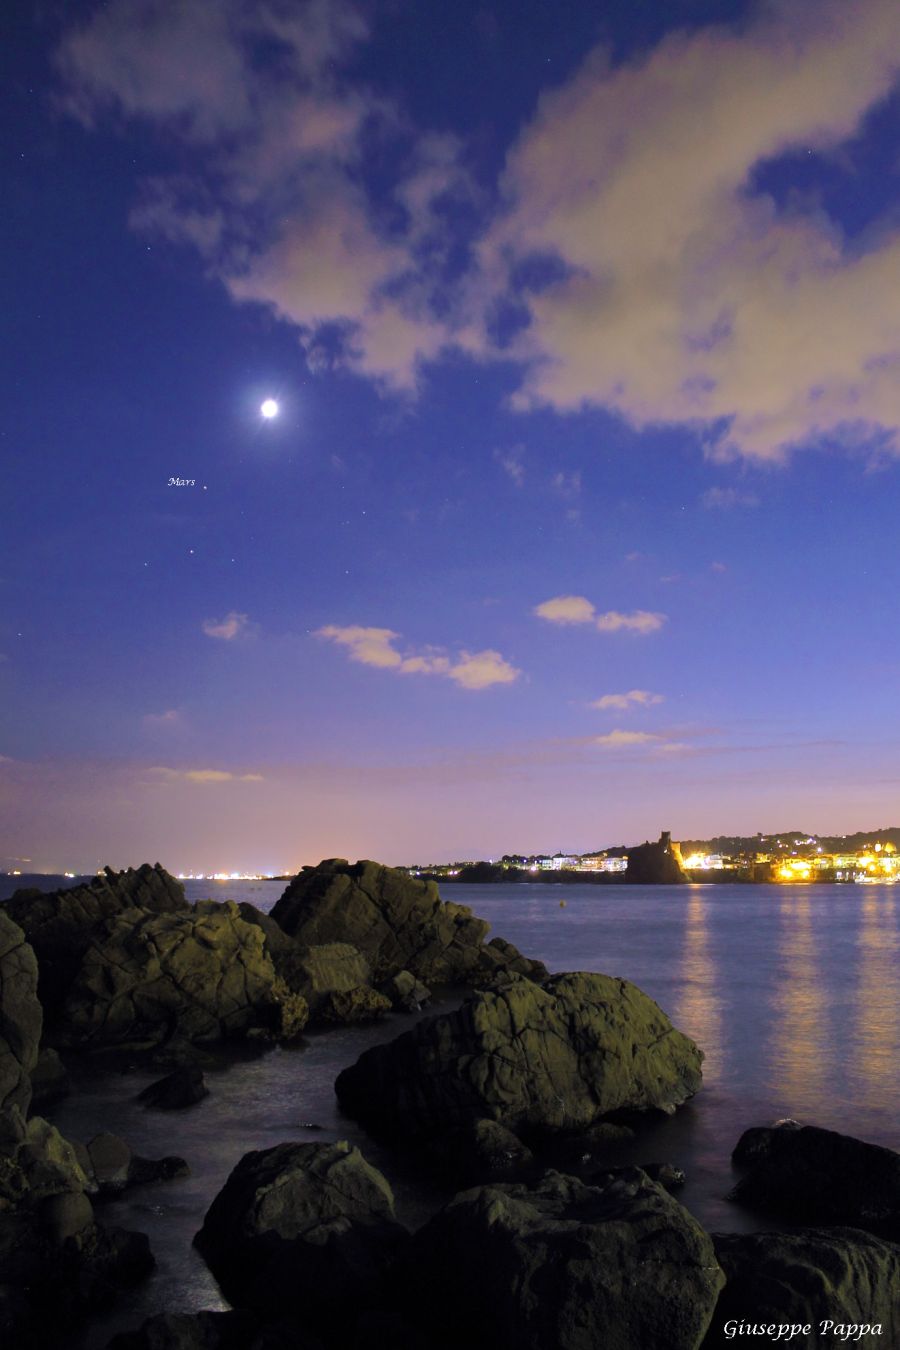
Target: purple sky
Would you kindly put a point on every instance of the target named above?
(578, 518)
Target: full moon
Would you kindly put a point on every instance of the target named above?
(269, 409)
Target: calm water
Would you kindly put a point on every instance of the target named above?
(793, 993)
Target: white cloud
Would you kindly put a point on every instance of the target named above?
(690, 297)
(205, 775)
(511, 463)
(615, 740)
(376, 647)
(639, 621)
(722, 499)
(170, 718)
(232, 626)
(566, 609)
(641, 698)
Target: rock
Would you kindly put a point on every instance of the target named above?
(656, 863)
(49, 1079)
(667, 1174)
(806, 1277)
(59, 924)
(200, 975)
(406, 993)
(62, 1216)
(479, 1152)
(304, 1228)
(396, 921)
(335, 980)
(190, 1331)
(145, 1170)
(812, 1176)
(36, 1162)
(20, 1016)
(538, 1060)
(110, 1161)
(184, 1087)
(559, 1264)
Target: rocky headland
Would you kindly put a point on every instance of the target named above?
(512, 1100)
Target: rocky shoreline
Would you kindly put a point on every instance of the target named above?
(513, 1100)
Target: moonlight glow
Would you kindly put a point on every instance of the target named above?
(269, 409)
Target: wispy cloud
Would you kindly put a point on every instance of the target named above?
(512, 463)
(170, 718)
(576, 609)
(722, 499)
(204, 775)
(234, 625)
(567, 485)
(377, 647)
(634, 698)
(616, 740)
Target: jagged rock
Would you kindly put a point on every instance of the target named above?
(335, 980)
(814, 1176)
(406, 993)
(661, 862)
(539, 1060)
(560, 1264)
(200, 975)
(20, 1016)
(479, 1152)
(805, 1277)
(62, 1216)
(192, 1331)
(302, 1228)
(184, 1087)
(60, 925)
(397, 922)
(49, 1079)
(36, 1161)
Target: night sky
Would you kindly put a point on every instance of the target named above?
(579, 516)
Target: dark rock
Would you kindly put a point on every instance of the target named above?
(396, 921)
(190, 1331)
(303, 1228)
(667, 1174)
(49, 1080)
(59, 924)
(63, 1216)
(145, 1170)
(184, 1087)
(36, 1162)
(110, 1161)
(559, 1264)
(200, 975)
(805, 1277)
(477, 1153)
(538, 1060)
(656, 863)
(20, 1016)
(406, 993)
(812, 1176)
(335, 980)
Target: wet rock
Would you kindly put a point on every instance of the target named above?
(200, 975)
(335, 980)
(805, 1277)
(303, 1228)
(49, 1080)
(20, 1016)
(560, 1264)
(477, 1153)
(812, 1176)
(406, 993)
(183, 1087)
(538, 1060)
(59, 925)
(110, 1159)
(36, 1161)
(396, 921)
(666, 1174)
(190, 1331)
(63, 1216)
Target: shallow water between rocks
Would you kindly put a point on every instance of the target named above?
(791, 991)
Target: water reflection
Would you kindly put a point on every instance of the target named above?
(698, 1011)
(800, 1031)
(876, 1014)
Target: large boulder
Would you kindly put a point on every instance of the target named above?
(303, 1228)
(20, 1016)
(189, 1331)
(840, 1277)
(812, 1176)
(619, 1265)
(396, 921)
(60, 925)
(539, 1060)
(198, 975)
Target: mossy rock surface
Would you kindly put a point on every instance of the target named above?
(21, 1017)
(536, 1059)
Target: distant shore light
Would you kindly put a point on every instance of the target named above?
(269, 409)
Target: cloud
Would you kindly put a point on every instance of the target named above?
(685, 294)
(567, 484)
(205, 775)
(566, 609)
(615, 740)
(639, 621)
(376, 647)
(170, 718)
(232, 626)
(634, 698)
(718, 498)
(511, 463)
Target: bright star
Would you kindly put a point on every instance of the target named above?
(269, 409)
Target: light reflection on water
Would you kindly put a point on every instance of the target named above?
(791, 992)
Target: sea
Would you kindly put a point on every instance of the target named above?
(792, 992)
